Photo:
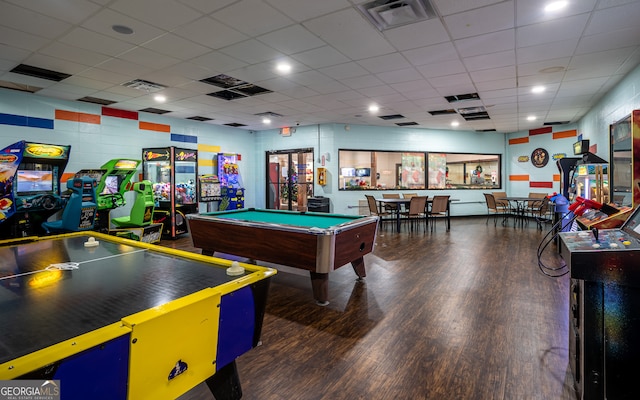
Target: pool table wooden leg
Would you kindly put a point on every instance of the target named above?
(358, 268)
(320, 286)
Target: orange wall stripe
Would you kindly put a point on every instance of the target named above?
(78, 117)
(556, 177)
(518, 177)
(565, 134)
(519, 140)
(149, 126)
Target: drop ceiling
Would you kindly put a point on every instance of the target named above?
(341, 63)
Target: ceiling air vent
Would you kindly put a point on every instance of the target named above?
(406, 123)
(556, 123)
(146, 86)
(96, 100)
(227, 95)
(443, 112)
(387, 14)
(155, 110)
(41, 73)
(269, 114)
(235, 125)
(392, 116)
(462, 97)
(473, 113)
(199, 118)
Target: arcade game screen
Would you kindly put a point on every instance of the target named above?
(33, 182)
(111, 184)
(632, 224)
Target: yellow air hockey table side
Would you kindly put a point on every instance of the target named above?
(125, 319)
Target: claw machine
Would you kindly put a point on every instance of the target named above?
(173, 172)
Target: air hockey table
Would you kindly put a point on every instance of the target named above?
(124, 319)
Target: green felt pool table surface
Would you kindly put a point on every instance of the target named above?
(293, 218)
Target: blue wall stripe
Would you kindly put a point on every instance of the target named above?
(21, 120)
(184, 138)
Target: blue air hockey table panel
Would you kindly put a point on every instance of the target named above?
(155, 320)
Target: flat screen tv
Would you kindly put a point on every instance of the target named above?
(361, 172)
(34, 182)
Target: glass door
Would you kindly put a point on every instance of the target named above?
(289, 179)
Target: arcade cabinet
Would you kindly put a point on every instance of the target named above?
(30, 186)
(138, 224)
(231, 187)
(173, 173)
(113, 180)
(80, 209)
(604, 312)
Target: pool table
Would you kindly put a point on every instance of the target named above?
(317, 242)
(121, 319)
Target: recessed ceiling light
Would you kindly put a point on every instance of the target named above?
(374, 108)
(555, 6)
(455, 123)
(531, 118)
(283, 67)
(122, 29)
(537, 89)
(160, 98)
(266, 121)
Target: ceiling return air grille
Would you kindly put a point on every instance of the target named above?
(387, 14)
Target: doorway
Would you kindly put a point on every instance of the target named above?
(290, 179)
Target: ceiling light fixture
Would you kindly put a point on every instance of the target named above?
(283, 67)
(266, 121)
(531, 118)
(455, 123)
(374, 108)
(160, 98)
(555, 6)
(537, 89)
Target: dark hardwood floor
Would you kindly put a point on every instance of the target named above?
(464, 314)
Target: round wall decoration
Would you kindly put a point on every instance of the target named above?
(539, 157)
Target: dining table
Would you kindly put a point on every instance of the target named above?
(518, 204)
(404, 203)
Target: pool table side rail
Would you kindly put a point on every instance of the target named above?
(290, 246)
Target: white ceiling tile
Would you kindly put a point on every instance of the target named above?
(86, 39)
(103, 75)
(536, 68)
(399, 75)
(482, 20)
(175, 46)
(103, 21)
(580, 87)
(21, 40)
(73, 11)
(165, 14)
(206, 6)
(343, 71)
(602, 57)
(489, 43)
(321, 57)
(441, 68)
(26, 80)
(532, 11)
(615, 39)
(32, 22)
(216, 61)
(308, 78)
(496, 84)
(350, 34)
(210, 33)
(302, 10)
(361, 82)
(292, 39)
(447, 7)
(493, 74)
(388, 62)
(625, 16)
(328, 87)
(416, 35)
(493, 60)
(124, 67)
(254, 73)
(449, 80)
(251, 52)
(75, 54)
(148, 58)
(432, 54)
(55, 64)
(252, 17)
(546, 51)
(552, 31)
(541, 79)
